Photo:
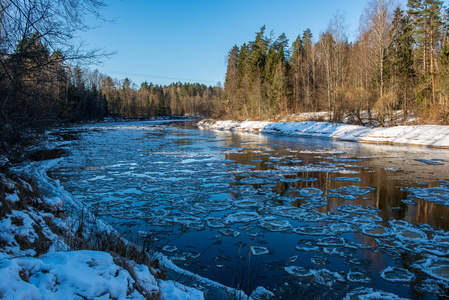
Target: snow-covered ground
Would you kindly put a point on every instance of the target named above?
(36, 261)
(425, 135)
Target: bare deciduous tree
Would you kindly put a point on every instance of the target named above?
(36, 36)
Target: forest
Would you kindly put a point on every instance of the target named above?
(398, 61)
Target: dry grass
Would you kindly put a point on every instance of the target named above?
(82, 236)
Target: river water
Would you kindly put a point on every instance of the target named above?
(302, 217)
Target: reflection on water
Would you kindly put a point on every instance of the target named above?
(305, 217)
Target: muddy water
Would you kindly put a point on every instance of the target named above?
(301, 217)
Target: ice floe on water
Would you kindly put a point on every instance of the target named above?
(242, 217)
(438, 195)
(358, 209)
(169, 248)
(215, 222)
(247, 203)
(405, 231)
(351, 190)
(342, 227)
(301, 272)
(397, 275)
(433, 161)
(392, 169)
(328, 278)
(256, 250)
(312, 230)
(349, 179)
(321, 276)
(375, 230)
(187, 221)
(370, 293)
(319, 260)
(261, 293)
(230, 232)
(359, 276)
(437, 267)
(271, 223)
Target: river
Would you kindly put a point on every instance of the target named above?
(303, 217)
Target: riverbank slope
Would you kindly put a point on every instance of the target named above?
(423, 135)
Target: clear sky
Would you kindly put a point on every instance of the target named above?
(164, 41)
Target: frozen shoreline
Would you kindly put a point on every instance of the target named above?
(422, 135)
(70, 267)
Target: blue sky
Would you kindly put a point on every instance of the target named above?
(166, 41)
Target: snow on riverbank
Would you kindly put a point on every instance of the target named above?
(39, 222)
(425, 135)
(37, 261)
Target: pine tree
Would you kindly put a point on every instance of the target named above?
(400, 58)
(426, 16)
(296, 60)
(231, 82)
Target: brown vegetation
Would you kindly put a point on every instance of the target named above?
(399, 61)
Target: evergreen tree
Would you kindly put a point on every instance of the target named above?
(399, 60)
(296, 60)
(426, 17)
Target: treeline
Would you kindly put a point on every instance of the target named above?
(399, 61)
(41, 82)
(38, 88)
(177, 99)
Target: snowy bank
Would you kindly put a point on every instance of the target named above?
(37, 256)
(425, 135)
(39, 224)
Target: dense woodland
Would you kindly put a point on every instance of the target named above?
(399, 61)
(44, 78)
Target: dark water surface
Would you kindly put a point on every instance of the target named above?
(303, 217)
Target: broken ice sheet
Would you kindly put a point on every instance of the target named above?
(230, 232)
(342, 227)
(209, 206)
(293, 258)
(309, 192)
(370, 293)
(184, 256)
(358, 276)
(247, 203)
(312, 230)
(431, 161)
(256, 250)
(188, 221)
(170, 249)
(274, 224)
(437, 267)
(375, 230)
(397, 275)
(392, 169)
(438, 195)
(215, 222)
(406, 231)
(328, 278)
(358, 209)
(242, 217)
(300, 272)
(349, 179)
(319, 260)
(353, 190)
(331, 241)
